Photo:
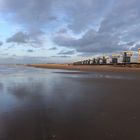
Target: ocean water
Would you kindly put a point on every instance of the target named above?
(45, 104)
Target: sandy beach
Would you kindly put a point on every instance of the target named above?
(101, 68)
(55, 104)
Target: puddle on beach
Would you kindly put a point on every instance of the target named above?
(42, 104)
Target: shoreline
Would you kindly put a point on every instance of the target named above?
(90, 68)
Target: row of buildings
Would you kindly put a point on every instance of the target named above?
(123, 58)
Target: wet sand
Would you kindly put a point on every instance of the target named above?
(101, 68)
(42, 104)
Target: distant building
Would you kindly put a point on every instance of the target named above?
(104, 60)
(115, 58)
(127, 56)
(109, 60)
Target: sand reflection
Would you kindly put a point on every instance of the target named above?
(39, 105)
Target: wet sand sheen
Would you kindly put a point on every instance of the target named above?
(59, 105)
(94, 68)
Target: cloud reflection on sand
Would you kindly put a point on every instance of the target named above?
(38, 104)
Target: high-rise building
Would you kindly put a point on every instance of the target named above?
(127, 56)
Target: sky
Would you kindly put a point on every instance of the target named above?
(60, 31)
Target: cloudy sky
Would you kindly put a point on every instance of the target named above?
(33, 31)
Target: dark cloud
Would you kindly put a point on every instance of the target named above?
(63, 52)
(91, 42)
(34, 38)
(33, 13)
(20, 38)
(119, 27)
(1, 43)
(30, 50)
(61, 56)
(38, 13)
(123, 21)
(14, 55)
(53, 48)
(64, 56)
(81, 14)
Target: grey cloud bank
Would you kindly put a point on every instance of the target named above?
(32, 13)
(88, 26)
(1, 43)
(63, 52)
(30, 51)
(19, 37)
(52, 48)
(118, 28)
(91, 42)
(33, 38)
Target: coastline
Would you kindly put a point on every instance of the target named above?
(91, 68)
